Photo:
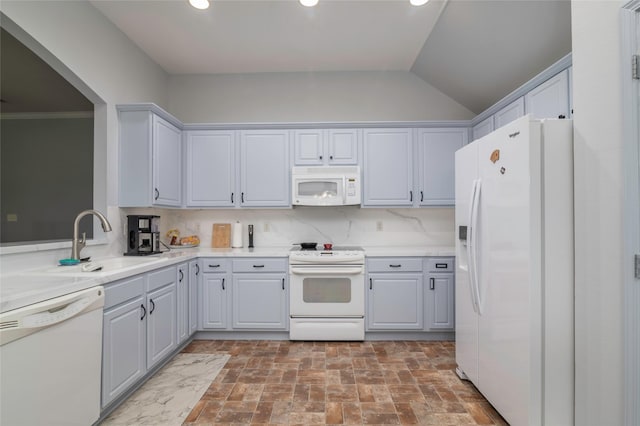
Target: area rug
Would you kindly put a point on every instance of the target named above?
(169, 396)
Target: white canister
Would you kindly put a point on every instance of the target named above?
(236, 235)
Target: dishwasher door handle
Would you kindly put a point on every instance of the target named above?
(24, 321)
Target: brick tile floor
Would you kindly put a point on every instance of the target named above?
(341, 383)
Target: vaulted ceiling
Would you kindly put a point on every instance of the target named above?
(474, 51)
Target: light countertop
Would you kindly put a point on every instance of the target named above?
(28, 287)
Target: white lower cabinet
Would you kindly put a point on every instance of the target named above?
(439, 294)
(139, 328)
(395, 301)
(182, 290)
(259, 301)
(244, 293)
(410, 293)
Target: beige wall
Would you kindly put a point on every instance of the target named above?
(309, 97)
(598, 205)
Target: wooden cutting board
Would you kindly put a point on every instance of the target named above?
(221, 235)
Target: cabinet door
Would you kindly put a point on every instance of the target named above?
(123, 348)
(436, 155)
(161, 323)
(388, 171)
(550, 99)
(308, 147)
(166, 163)
(265, 168)
(509, 113)
(483, 128)
(182, 286)
(194, 277)
(213, 301)
(343, 146)
(210, 168)
(259, 301)
(395, 302)
(440, 302)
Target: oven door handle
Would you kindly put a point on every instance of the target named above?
(327, 271)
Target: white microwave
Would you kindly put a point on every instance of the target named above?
(326, 186)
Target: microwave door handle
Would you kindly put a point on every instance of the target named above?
(344, 190)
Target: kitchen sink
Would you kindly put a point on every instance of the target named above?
(107, 266)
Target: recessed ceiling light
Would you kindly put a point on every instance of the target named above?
(308, 3)
(199, 4)
(418, 2)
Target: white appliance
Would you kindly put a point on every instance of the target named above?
(326, 186)
(514, 273)
(326, 290)
(50, 361)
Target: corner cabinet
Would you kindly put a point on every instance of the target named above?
(436, 162)
(210, 168)
(388, 167)
(265, 168)
(150, 160)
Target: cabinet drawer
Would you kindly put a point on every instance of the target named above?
(442, 264)
(214, 264)
(162, 278)
(259, 265)
(394, 264)
(121, 291)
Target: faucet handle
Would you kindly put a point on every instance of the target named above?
(83, 240)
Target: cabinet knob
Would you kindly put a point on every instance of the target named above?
(320, 157)
(331, 157)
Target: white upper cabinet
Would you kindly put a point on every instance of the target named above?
(509, 113)
(550, 99)
(150, 150)
(436, 162)
(210, 168)
(483, 128)
(317, 147)
(388, 167)
(264, 168)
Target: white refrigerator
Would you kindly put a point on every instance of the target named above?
(514, 272)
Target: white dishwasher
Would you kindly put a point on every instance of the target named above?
(50, 361)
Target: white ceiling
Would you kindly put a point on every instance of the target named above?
(474, 51)
(240, 36)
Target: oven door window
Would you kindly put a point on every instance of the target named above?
(318, 189)
(326, 290)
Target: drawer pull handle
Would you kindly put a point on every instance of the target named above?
(153, 306)
(283, 283)
(157, 193)
(232, 198)
(223, 283)
(441, 265)
(214, 266)
(258, 266)
(181, 275)
(395, 266)
(197, 269)
(370, 283)
(432, 283)
(144, 312)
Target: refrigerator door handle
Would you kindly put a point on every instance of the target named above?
(474, 244)
(470, 241)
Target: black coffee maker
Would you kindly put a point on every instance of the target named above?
(143, 235)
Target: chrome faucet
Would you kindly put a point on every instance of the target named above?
(78, 244)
